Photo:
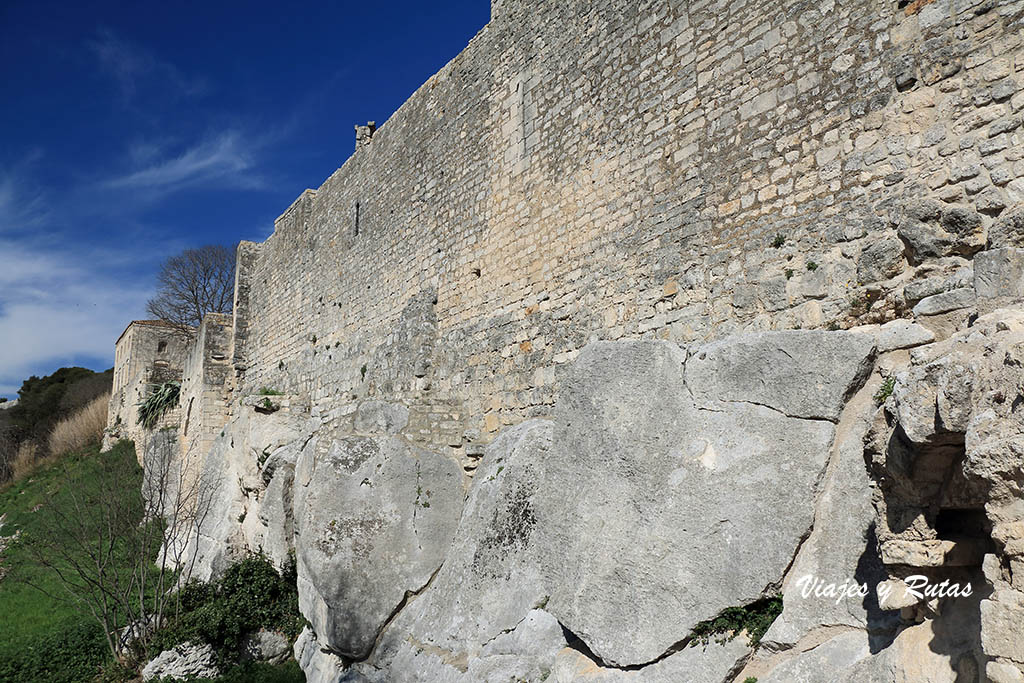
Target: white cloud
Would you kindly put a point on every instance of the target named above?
(130, 65)
(53, 310)
(223, 161)
(20, 208)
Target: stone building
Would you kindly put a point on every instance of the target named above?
(147, 353)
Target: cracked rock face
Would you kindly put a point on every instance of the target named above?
(668, 486)
(374, 517)
(947, 450)
(482, 617)
(657, 512)
(808, 374)
(247, 479)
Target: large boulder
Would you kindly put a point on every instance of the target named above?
(266, 646)
(482, 617)
(374, 517)
(681, 487)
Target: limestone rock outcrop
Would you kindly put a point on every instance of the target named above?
(674, 478)
(375, 516)
(244, 486)
(669, 485)
(186, 661)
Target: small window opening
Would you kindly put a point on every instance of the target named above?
(355, 228)
(161, 347)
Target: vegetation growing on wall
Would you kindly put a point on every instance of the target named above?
(754, 619)
(161, 398)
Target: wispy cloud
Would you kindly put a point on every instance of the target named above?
(226, 160)
(130, 64)
(53, 310)
(21, 207)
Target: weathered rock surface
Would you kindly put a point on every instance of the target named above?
(825, 663)
(841, 548)
(245, 485)
(946, 452)
(375, 516)
(897, 334)
(999, 277)
(917, 655)
(184, 661)
(481, 618)
(800, 373)
(945, 302)
(319, 665)
(1008, 231)
(679, 493)
(264, 645)
(669, 485)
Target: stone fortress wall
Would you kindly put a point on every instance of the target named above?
(648, 169)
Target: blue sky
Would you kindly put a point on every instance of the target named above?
(130, 131)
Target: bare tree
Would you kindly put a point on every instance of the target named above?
(192, 284)
(119, 558)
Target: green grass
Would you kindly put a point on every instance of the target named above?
(46, 639)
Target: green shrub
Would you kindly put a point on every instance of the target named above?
(754, 618)
(250, 595)
(267, 391)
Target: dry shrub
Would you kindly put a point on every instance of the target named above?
(26, 460)
(82, 429)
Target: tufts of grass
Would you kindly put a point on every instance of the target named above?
(885, 391)
(82, 429)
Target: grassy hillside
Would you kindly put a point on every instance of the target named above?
(46, 639)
